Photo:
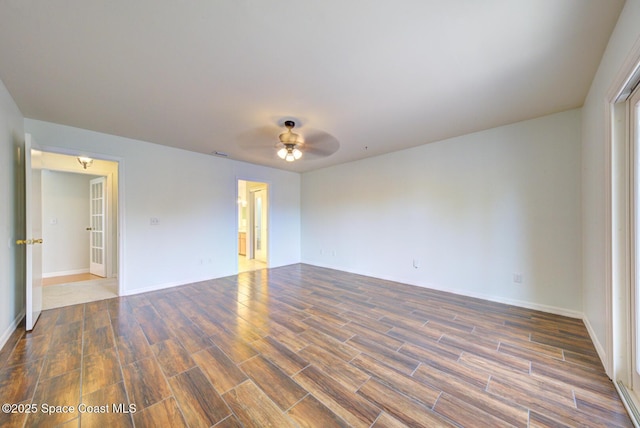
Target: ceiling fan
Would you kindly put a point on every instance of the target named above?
(290, 140)
(288, 145)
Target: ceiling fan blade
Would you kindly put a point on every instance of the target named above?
(319, 144)
(263, 137)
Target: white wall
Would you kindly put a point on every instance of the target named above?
(11, 218)
(194, 198)
(472, 211)
(594, 170)
(65, 217)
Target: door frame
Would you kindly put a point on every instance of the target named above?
(119, 220)
(268, 186)
(621, 167)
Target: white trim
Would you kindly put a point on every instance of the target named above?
(628, 401)
(12, 327)
(607, 361)
(617, 86)
(158, 287)
(596, 343)
(65, 273)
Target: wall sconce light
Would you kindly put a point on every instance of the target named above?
(85, 162)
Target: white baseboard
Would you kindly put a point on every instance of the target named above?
(12, 327)
(599, 348)
(65, 273)
(162, 286)
(520, 303)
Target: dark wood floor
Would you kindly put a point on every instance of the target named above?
(306, 346)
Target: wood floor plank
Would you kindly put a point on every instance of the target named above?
(223, 373)
(427, 352)
(328, 328)
(102, 408)
(29, 348)
(172, 357)
(62, 359)
(380, 338)
(570, 374)
(70, 314)
(274, 382)
(200, 403)
(279, 354)
(133, 346)
(345, 373)
(237, 349)
(466, 415)
(607, 407)
(67, 333)
(156, 331)
(18, 383)
(145, 383)
(543, 399)
(14, 419)
(96, 318)
(400, 362)
(100, 370)
(254, 409)
(331, 344)
(425, 394)
(60, 391)
(349, 406)
(401, 407)
(98, 340)
(164, 413)
(310, 413)
(387, 421)
(191, 337)
(473, 394)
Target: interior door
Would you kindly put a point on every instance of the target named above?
(97, 210)
(260, 225)
(33, 238)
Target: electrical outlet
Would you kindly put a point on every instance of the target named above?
(154, 221)
(517, 278)
(415, 263)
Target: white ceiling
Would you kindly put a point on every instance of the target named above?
(377, 75)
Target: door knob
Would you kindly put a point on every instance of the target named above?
(37, 241)
(23, 242)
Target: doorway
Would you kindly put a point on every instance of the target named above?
(79, 221)
(253, 225)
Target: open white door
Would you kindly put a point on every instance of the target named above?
(97, 209)
(260, 225)
(33, 239)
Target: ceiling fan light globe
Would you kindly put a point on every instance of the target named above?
(282, 153)
(297, 154)
(289, 157)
